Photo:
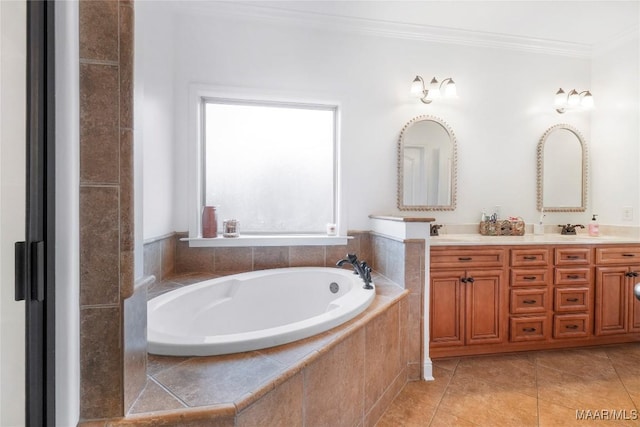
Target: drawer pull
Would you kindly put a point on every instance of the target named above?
(573, 257)
(629, 255)
(572, 300)
(529, 277)
(571, 326)
(530, 258)
(529, 301)
(573, 276)
(464, 258)
(631, 274)
(528, 329)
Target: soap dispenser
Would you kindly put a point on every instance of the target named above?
(594, 229)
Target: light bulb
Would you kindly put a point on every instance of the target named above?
(417, 87)
(560, 98)
(574, 98)
(587, 100)
(450, 90)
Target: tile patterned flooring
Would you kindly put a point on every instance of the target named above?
(528, 389)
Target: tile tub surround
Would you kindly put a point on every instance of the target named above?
(402, 261)
(345, 376)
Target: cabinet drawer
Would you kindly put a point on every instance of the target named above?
(572, 276)
(618, 255)
(571, 299)
(530, 276)
(528, 328)
(571, 326)
(572, 256)
(529, 257)
(466, 258)
(528, 301)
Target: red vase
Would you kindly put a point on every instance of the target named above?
(209, 222)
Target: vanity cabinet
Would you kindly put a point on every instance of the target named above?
(492, 299)
(617, 310)
(468, 298)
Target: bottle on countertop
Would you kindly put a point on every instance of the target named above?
(594, 228)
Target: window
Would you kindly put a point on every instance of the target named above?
(272, 166)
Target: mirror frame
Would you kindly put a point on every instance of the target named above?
(540, 172)
(454, 168)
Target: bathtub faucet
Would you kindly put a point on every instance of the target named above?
(360, 268)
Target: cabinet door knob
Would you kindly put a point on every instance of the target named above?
(471, 280)
(463, 280)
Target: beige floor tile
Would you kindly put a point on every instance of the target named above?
(515, 372)
(554, 415)
(444, 419)
(488, 403)
(581, 392)
(582, 362)
(542, 389)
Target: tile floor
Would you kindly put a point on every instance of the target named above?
(529, 389)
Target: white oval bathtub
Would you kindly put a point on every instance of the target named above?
(254, 310)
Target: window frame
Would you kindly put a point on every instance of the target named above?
(198, 97)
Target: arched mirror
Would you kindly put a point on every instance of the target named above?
(427, 158)
(562, 170)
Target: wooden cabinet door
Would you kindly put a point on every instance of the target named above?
(446, 320)
(485, 307)
(611, 300)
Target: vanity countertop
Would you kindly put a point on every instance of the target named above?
(529, 239)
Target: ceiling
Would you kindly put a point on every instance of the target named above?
(583, 22)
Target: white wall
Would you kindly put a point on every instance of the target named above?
(153, 115)
(505, 105)
(615, 147)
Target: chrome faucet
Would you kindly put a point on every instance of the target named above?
(360, 268)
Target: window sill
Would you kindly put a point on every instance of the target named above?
(267, 240)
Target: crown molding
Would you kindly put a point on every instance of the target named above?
(425, 33)
(630, 34)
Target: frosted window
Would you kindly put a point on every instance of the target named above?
(270, 166)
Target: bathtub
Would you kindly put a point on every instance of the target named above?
(254, 310)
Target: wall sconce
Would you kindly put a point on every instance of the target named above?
(446, 89)
(574, 99)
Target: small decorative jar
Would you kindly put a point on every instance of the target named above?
(209, 222)
(231, 228)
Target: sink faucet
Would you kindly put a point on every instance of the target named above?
(433, 229)
(360, 268)
(570, 229)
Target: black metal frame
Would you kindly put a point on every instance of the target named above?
(35, 257)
